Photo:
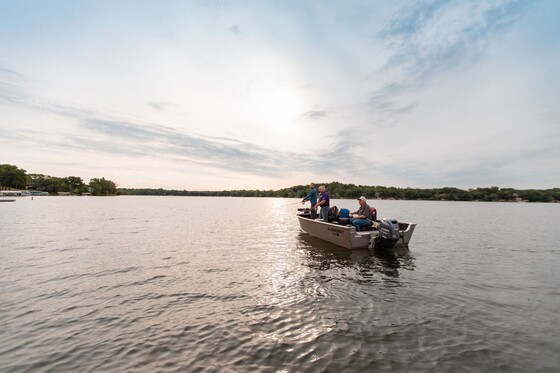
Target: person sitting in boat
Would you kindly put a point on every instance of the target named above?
(312, 198)
(324, 203)
(361, 218)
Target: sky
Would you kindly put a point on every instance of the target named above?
(221, 95)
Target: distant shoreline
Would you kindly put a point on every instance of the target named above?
(3, 197)
(351, 191)
(12, 177)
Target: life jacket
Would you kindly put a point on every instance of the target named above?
(373, 213)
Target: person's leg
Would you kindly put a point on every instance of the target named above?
(360, 223)
(324, 214)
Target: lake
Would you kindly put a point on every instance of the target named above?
(232, 285)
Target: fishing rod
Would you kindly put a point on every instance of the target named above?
(292, 203)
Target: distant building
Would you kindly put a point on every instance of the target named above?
(11, 193)
(63, 193)
(38, 193)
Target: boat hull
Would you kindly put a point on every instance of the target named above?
(346, 236)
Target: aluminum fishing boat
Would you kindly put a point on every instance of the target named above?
(385, 233)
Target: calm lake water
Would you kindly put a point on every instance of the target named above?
(232, 285)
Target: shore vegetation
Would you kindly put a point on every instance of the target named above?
(349, 191)
(13, 177)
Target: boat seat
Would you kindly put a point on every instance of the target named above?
(343, 221)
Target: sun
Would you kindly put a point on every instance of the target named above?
(277, 106)
(274, 96)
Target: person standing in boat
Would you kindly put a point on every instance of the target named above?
(312, 198)
(324, 203)
(361, 218)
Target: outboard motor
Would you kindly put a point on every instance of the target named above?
(388, 233)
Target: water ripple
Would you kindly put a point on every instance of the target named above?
(163, 284)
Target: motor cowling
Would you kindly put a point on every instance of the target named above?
(388, 233)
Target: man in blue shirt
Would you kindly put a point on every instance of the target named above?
(311, 197)
(324, 202)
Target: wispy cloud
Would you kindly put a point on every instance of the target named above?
(98, 134)
(235, 29)
(7, 72)
(10, 85)
(316, 114)
(431, 37)
(159, 105)
(152, 140)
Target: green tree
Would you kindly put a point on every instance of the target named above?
(56, 184)
(74, 183)
(49, 184)
(37, 181)
(12, 177)
(102, 187)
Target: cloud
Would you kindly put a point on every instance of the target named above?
(385, 100)
(96, 133)
(152, 140)
(315, 114)
(235, 29)
(87, 131)
(159, 105)
(10, 85)
(100, 135)
(4, 72)
(218, 153)
(429, 38)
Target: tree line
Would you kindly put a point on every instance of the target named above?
(349, 191)
(13, 177)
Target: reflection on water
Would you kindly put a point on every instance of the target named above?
(324, 256)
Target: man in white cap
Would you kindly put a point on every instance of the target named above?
(361, 218)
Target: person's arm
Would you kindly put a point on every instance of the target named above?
(360, 214)
(320, 203)
(308, 197)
